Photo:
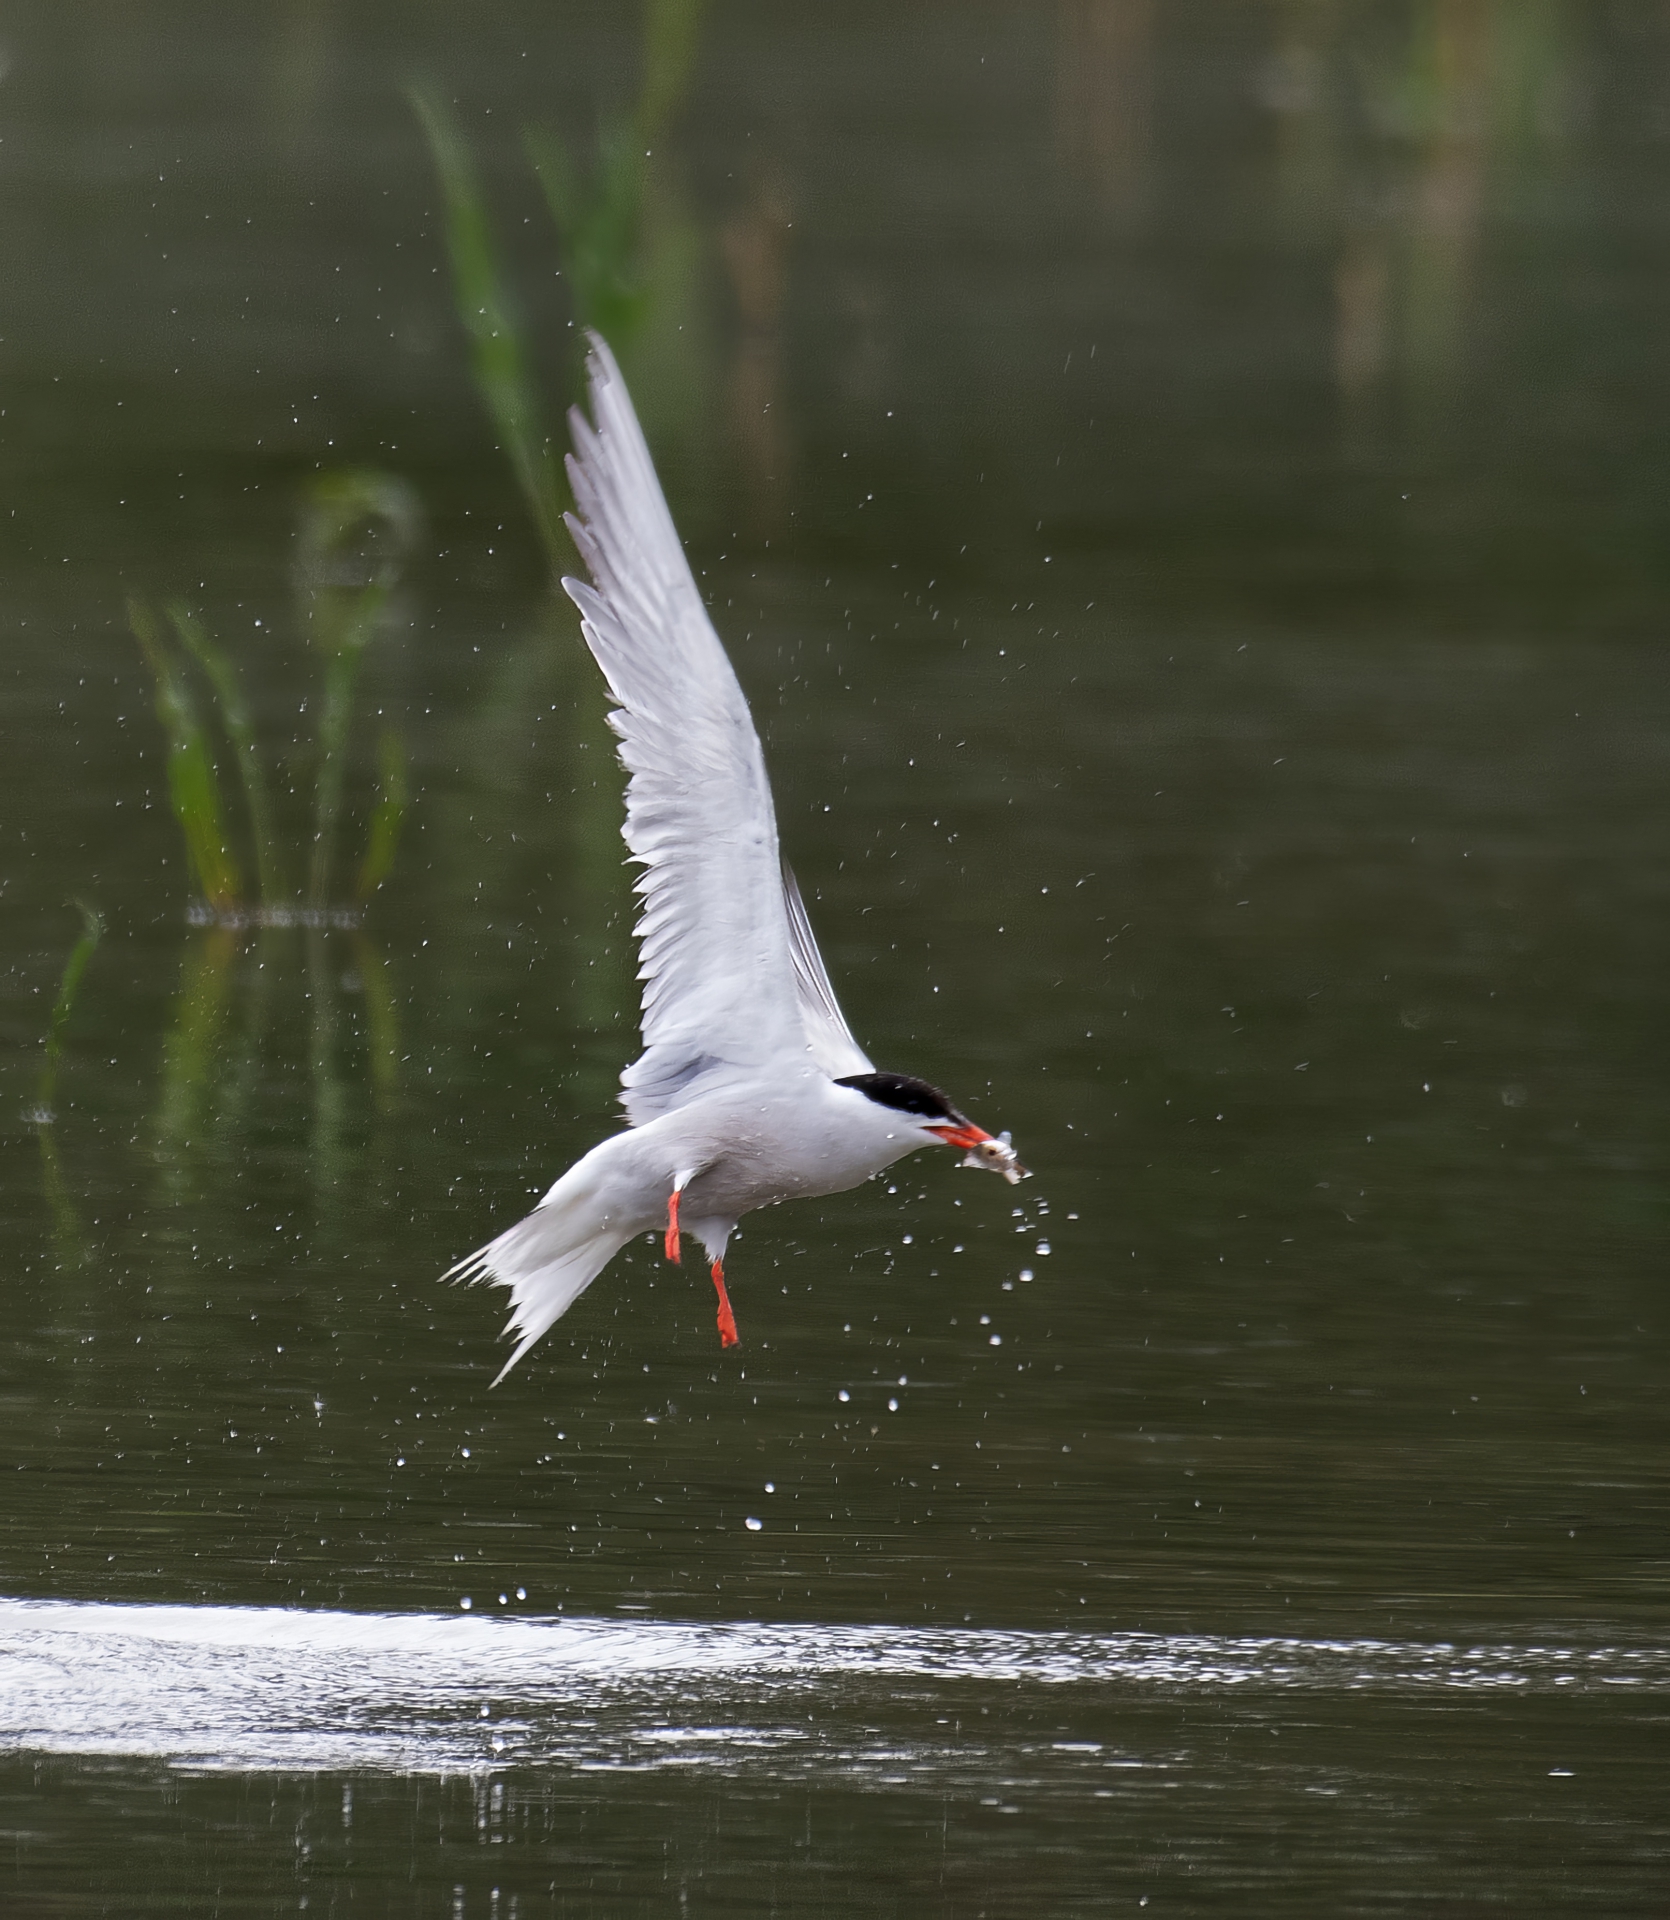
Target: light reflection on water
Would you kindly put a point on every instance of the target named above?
(251, 1688)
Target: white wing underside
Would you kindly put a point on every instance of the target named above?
(827, 1033)
(733, 984)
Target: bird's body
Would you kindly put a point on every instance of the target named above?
(750, 1088)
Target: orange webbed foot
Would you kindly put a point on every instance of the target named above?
(727, 1319)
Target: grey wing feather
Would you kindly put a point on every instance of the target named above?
(716, 955)
(830, 1038)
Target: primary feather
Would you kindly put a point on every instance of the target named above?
(716, 954)
(834, 1049)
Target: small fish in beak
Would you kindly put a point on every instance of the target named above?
(994, 1155)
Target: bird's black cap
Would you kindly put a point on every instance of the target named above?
(904, 1093)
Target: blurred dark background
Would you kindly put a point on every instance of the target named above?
(1343, 310)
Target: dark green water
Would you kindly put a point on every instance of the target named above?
(1183, 488)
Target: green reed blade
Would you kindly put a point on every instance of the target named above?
(257, 969)
(670, 29)
(599, 220)
(191, 1050)
(240, 730)
(498, 354)
(67, 1238)
(193, 787)
(388, 816)
(92, 929)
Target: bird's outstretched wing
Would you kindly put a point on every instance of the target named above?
(827, 1033)
(732, 981)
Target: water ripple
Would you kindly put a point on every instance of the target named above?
(253, 1687)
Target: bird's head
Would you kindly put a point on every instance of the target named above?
(926, 1108)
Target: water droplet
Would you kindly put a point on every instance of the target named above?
(752, 1524)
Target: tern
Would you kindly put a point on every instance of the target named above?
(750, 1088)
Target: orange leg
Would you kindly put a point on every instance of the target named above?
(672, 1228)
(727, 1319)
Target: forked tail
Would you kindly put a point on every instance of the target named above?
(546, 1261)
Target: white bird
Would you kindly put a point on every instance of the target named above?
(750, 1088)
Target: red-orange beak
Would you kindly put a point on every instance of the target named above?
(969, 1136)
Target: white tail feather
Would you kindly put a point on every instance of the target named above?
(547, 1261)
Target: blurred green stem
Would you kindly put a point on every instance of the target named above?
(193, 789)
(234, 714)
(601, 218)
(244, 1070)
(498, 355)
(192, 1047)
(388, 816)
(670, 28)
(66, 1224)
(600, 223)
(92, 929)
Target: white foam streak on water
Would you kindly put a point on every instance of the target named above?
(274, 1688)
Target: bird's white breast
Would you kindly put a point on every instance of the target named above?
(756, 1145)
